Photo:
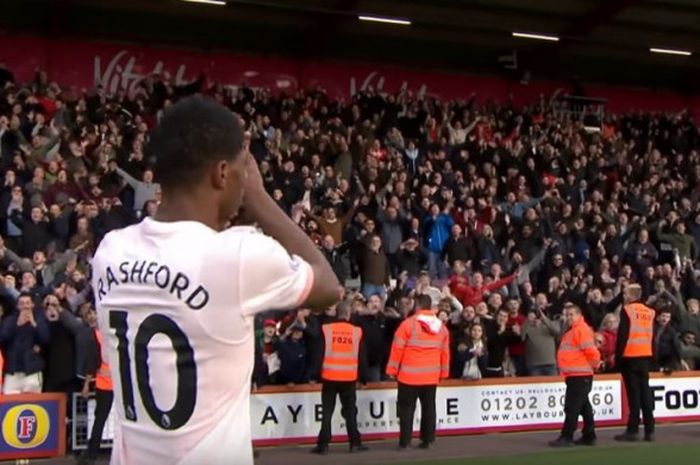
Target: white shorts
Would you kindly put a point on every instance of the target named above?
(19, 383)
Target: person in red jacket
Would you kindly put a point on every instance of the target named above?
(516, 349)
(608, 333)
(419, 359)
(472, 294)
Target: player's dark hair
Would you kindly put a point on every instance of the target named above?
(424, 302)
(192, 135)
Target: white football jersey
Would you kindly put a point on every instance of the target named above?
(176, 303)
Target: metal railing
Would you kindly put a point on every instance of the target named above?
(589, 110)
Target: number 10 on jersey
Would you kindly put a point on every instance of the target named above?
(186, 394)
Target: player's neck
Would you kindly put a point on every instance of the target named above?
(188, 208)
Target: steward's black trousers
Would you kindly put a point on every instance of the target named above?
(407, 397)
(635, 374)
(576, 403)
(347, 392)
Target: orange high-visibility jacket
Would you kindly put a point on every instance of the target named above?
(103, 379)
(342, 342)
(577, 354)
(641, 335)
(420, 353)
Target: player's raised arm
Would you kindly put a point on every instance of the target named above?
(263, 210)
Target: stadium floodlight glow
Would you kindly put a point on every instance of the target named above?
(670, 51)
(527, 35)
(382, 19)
(208, 2)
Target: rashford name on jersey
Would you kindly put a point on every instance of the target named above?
(144, 272)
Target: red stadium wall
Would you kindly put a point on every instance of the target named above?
(121, 66)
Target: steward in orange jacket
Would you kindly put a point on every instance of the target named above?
(577, 354)
(577, 358)
(420, 357)
(633, 355)
(342, 354)
(104, 395)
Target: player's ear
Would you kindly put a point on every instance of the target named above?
(219, 174)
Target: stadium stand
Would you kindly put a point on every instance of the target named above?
(489, 209)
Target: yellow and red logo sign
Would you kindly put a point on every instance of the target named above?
(32, 426)
(26, 426)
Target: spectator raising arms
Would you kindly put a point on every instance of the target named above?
(24, 335)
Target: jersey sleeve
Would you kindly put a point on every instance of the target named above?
(271, 278)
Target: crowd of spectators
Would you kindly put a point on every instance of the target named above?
(500, 214)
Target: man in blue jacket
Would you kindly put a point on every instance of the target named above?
(22, 335)
(436, 228)
(292, 353)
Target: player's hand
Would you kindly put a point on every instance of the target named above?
(253, 181)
